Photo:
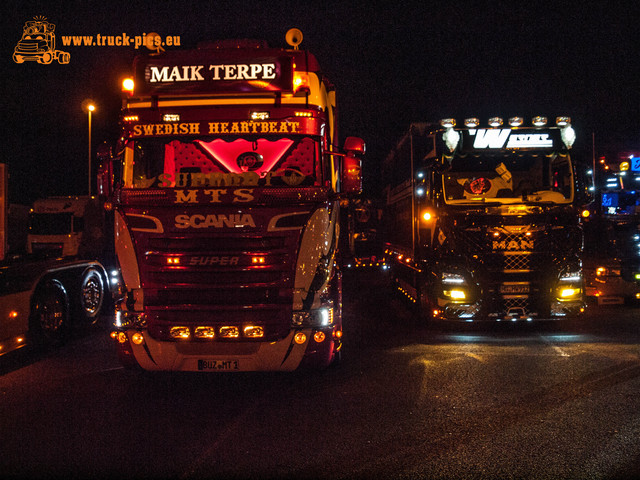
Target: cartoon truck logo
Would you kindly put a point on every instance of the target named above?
(38, 43)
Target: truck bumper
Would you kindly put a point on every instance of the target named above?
(287, 354)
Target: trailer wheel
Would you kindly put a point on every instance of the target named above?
(50, 318)
(91, 294)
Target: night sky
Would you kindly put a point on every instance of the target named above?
(393, 64)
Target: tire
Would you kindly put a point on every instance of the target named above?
(46, 58)
(91, 295)
(50, 317)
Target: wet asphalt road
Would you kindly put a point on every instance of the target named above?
(408, 401)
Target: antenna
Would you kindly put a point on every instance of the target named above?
(294, 38)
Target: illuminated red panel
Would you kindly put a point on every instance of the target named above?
(227, 153)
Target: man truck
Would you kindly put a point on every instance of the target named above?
(482, 221)
(226, 201)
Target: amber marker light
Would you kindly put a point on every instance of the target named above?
(300, 338)
(585, 213)
(205, 332)
(13, 314)
(173, 261)
(180, 332)
(128, 85)
(319, 337)
(229, 332)
(300, 80)
(253, 331)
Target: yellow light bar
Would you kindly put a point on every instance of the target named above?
(171, 117)
(173, 261)
(303, 114)
(259, 115)
(257, 260)
(131, 118)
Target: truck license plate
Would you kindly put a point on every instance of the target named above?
(218, 365)
(514, 289)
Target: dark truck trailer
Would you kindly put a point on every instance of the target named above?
(482, 223)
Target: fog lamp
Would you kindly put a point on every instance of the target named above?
(319, 337)
(122, 337)
(137, 338)
(300, 338)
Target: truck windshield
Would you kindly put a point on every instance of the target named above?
(511, 178)
(215, 161)
(50, 223)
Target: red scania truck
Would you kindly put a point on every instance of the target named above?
(482, 221)
(226, 189)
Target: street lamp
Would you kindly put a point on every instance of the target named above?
(89, 107)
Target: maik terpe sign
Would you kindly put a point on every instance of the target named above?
(219, 75)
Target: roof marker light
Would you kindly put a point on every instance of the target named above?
(539, 121)
(495, 122)
(448, 122)
(563, 121)
(516, 121)
(471, 122)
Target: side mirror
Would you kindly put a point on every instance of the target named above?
(354, 145)
(105, 170)
(352, 166)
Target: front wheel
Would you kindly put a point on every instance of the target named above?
(50, 319)
(91, 295)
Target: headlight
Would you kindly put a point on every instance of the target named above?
(322, 317)
(455, 294)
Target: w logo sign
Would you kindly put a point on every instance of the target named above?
(495, 138)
